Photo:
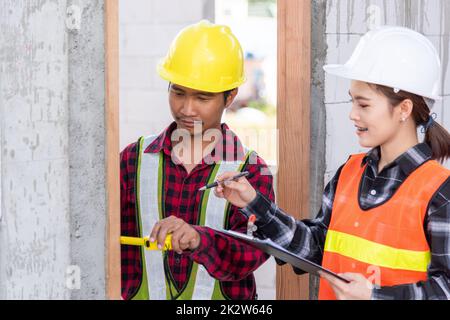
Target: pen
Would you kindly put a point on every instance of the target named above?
(216, 183)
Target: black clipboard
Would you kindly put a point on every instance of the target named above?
(279, 252)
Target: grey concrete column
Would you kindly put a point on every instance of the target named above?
(87, 148)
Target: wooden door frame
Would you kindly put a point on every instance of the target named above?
(113, 276)
(293, 124)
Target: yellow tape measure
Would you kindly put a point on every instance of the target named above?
(133, 241)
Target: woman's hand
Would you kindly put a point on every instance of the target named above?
(359, 287)
(238, 192)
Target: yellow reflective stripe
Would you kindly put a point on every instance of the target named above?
(376, 254)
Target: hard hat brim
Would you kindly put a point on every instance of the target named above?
(343, 71)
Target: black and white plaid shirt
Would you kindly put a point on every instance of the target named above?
(307, 237)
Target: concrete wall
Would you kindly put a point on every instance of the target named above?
(87, 138)
(52, 192)
(52, 228)
(337, 27)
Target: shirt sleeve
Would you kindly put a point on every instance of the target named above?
(129, 254)
(305, 238)
(226, 258)
(437, 285)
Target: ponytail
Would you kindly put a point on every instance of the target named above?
(436, 136)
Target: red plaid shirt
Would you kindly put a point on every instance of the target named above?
(226, 259)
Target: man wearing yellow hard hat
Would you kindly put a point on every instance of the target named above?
(161, 177)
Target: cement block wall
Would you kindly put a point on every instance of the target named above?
(52, 228)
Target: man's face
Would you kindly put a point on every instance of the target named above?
(189, 106)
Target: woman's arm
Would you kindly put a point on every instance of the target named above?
(303, 237)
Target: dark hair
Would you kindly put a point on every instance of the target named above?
(436, 136)
(225, 93)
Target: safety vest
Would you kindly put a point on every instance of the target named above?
(213, 213)
(387, 244)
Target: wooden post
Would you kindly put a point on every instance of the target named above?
(293, 123)
(113, 277)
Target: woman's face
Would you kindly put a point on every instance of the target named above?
(376, 121)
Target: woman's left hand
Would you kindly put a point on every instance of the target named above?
(359, 287)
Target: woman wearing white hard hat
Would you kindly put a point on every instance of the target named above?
(384, 221)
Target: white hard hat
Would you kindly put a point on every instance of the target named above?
(395, 57)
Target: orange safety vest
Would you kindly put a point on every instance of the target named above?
(386, 244)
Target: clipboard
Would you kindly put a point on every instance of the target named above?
(279, 252)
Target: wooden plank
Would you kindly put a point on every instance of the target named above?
(113, 277)
(293, 123)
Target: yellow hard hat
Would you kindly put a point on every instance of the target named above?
(204, 56)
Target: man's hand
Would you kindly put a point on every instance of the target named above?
(359, 287)
(184, 236)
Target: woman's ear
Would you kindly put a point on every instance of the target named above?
(231, 97)
(405, 108)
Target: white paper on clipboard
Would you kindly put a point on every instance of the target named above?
(279, 252)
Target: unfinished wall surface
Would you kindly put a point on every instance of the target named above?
(146, 31)
(52, 228)
(346, 22)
